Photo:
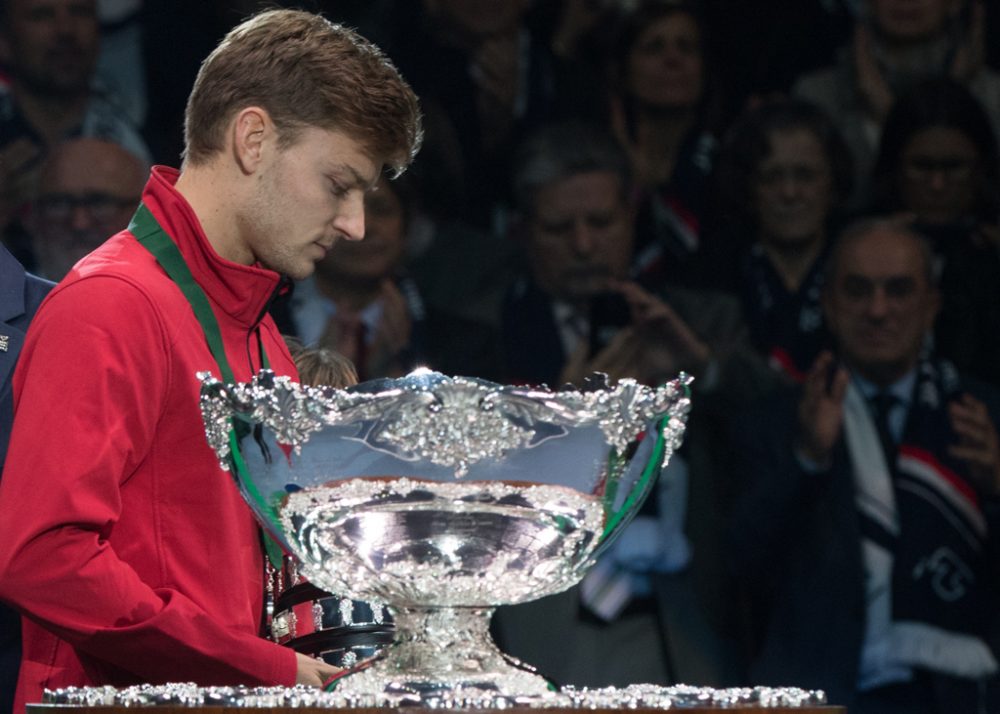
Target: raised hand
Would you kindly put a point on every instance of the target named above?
(821, 409)
(978, 445)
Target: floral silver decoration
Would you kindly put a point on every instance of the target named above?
(636, 696)
(429, 418)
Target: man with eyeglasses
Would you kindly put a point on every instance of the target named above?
(87, 191)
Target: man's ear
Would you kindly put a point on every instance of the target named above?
(252, 133)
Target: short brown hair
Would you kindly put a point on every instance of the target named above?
(305, 71)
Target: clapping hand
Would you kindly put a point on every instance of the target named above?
(821, 409)
(978, 445)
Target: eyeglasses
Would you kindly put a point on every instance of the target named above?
(101, 207)
(772, 177)
(921, 168)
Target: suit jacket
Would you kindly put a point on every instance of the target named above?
(795, 547)
(20, 295)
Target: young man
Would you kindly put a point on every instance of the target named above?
(125, 545)
(867, 530)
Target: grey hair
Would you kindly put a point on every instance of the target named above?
(560, 151)
(900, 226)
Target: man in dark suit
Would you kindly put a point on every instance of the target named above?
(575, 311)
(866, 530)
(20, 295)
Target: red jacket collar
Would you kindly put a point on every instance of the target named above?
(242, 291)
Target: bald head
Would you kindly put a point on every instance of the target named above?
(87, 191)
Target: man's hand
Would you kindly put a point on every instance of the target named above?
(671, 345)
(978, 445)
(313, 672)
(655, 346)
(821, 410)
(873, 86)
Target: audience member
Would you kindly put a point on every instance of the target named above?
(784, 176)
(483, 80)
(896, 44)
(87, 191)
(321, 367)
(661, 104)
(573, 189)
(938, 162)
(866, 529)
(20, 295)
(50, 49)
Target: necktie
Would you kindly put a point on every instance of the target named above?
(882, 405)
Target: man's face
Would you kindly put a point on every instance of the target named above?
(52, 45)
(580, 236)
(911, 20)
(88, 190)
(793, 189)
(880, 304)
(308, 196)
(378, 255)
(939, 174)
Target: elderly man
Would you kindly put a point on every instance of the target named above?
(865, 530)
(650, 612)
(87, 191)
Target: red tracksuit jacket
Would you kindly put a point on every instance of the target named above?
(129, 551)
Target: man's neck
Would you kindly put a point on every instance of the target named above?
(211, 197)
(349, 294)
(50, 116)
(883, 377)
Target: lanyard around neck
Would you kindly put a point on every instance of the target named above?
(157, 241)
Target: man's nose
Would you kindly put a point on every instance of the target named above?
(583, 240)
(80, 218)
(350, 220)
(878, 303)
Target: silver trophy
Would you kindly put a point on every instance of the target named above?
(443, 498)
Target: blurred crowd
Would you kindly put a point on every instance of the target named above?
(795, 201)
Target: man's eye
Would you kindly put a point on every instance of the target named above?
(900, 287)
(556, 229)
(338, 190)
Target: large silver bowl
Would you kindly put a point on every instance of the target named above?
(444, 498)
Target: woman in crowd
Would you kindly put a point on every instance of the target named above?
(660, 110)
(938, 163)
(784, 175)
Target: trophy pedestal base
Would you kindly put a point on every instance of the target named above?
(444, 654)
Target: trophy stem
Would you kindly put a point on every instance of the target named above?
(445, 651)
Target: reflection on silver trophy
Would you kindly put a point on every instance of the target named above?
(443, 498)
